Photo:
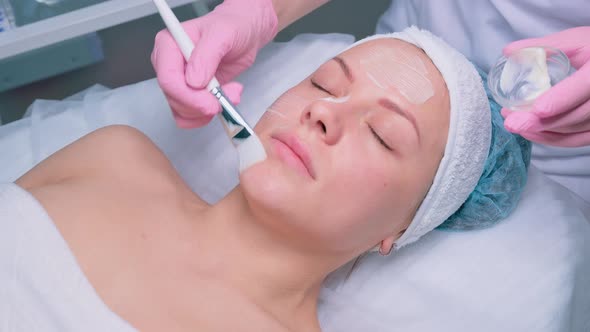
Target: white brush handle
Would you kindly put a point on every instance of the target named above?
(182, 39)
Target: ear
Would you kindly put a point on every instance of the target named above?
(388, 243)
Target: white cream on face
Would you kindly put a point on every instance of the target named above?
(287, 102)
(401, 70)
(294, 102)
(333, 100)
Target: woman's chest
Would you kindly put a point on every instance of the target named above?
(138, 253)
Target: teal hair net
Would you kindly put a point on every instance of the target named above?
(505, 173)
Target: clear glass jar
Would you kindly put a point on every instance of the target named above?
(517, 80)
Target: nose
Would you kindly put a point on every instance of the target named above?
(323, 119)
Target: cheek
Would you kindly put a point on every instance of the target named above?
(356, 191)
(374, 186)
(290, 104)
(374, 194)
(358, 212)
(284, 112)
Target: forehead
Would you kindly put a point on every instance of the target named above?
(383, 44)
(393, 57)
(402, 65)
(389, 51)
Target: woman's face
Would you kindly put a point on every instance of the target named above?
(352, 150)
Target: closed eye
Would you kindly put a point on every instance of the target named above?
(379, 139)
(319, 87)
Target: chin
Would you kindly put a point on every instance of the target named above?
(267, 186)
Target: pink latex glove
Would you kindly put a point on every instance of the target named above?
(560, 116)
(226, 43)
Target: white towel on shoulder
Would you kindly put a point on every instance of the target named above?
(42, 288)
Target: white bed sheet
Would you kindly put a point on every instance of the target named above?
(529, 273)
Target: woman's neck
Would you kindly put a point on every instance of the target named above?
(272, 271)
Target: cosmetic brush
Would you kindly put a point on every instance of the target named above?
(242, 136)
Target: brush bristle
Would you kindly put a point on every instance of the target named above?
(250, 152)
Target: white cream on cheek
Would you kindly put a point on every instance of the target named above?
(333, 100)
(291, 101)
(399, 69)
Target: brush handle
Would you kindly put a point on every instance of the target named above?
(182, 39)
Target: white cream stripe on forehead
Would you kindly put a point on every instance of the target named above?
(404, 72)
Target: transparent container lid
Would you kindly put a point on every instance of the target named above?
(517, 80)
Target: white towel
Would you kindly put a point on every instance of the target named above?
(42, 288)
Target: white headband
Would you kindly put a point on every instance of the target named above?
(470, 131)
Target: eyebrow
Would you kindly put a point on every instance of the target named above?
(345, 68)
(391, 105)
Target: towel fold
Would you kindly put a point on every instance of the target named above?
(42, 288)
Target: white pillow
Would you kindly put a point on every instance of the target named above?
(531, 272)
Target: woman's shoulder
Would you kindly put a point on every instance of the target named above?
(127, 155)
(116, 154)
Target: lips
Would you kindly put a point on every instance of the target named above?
(294, 152)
